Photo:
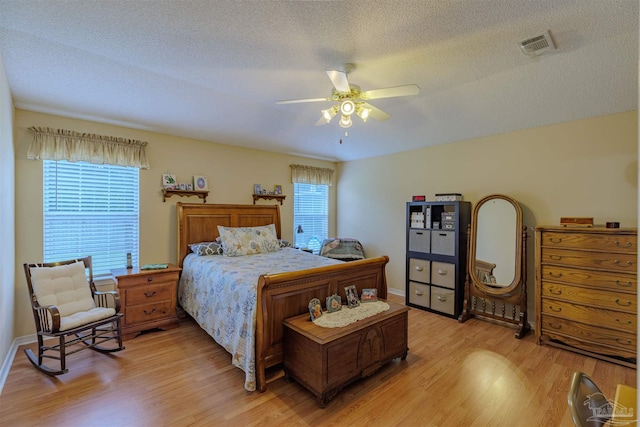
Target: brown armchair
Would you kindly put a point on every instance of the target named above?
(67, 306)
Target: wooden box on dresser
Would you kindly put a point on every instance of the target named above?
(436, 255)
(586, 285)
(148, 298)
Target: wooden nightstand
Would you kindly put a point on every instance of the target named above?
(148, 298)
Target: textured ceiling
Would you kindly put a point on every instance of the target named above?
(213, 70)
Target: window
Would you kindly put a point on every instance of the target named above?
(91, 209)
(310, 215)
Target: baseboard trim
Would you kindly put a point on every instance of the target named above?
(8, 361)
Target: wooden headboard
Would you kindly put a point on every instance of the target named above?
(199, 222)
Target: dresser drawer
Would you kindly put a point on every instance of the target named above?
(419, 294)
(599, 260)
(141, 279)
(420, 240)
(443, 300)
(149, 293)
(443, 274)
(618, 282)
(595, 297)
(590, 315)
(419, 270)
(600, 242)
(149, 312)
(619, 339)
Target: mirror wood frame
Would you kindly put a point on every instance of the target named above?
(482, 299)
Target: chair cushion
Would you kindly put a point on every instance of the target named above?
(83, 317)
(64, 286)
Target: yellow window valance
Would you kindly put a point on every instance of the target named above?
(60, 144)
(311, 175)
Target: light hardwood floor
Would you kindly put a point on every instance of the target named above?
(471, 374)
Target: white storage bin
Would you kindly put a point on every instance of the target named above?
(420, 240)
(443, 242)
(443, 274)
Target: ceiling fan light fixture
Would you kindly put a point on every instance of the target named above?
(329, 114)
(345, 121)
(363, 113)
(347, 107)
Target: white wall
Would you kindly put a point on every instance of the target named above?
(7, 223)
(582, 168)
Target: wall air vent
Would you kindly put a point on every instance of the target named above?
(537, 44)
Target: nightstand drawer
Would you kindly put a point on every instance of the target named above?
(148, 312)
(149, 294)
(148, 278)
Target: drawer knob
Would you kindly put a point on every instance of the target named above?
(555, 240)
(623, 341)
(150, 279)
(149, 294)
(442, 272)
(625, 284)
(624, 322)
(554, 291)
(555, 275)
(442, 298)
(555, 325)
(149, 312)
(626, 245)
(419, 293)
(617, 262)
(556, 309)
(627, 304)
(419, 268)
(555, 257)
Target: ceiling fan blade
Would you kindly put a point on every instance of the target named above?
(298, 101)
(376, 113)
(390, 92)
(339, 80)
(321, 121)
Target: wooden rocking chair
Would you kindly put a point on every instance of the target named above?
(67, 306)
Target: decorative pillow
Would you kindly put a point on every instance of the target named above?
(239, 241)
(206, 248)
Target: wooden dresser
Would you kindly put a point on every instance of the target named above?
(148, 298)
(325, 360)
(586, 285)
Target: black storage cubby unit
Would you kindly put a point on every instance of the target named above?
(437, 255)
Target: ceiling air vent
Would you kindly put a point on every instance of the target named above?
(537, 44)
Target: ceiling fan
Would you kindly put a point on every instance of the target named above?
(350, 99)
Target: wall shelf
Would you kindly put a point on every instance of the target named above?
(166, 193)
(278, 197)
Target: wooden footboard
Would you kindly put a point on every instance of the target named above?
(284, 295)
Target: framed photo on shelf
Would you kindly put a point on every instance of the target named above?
(352, 296)
(199, 183)
(277, 189)
(257, 189)
(189, 186)
(169, 181)
(369, 295)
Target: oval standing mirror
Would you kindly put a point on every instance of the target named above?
(495, 285)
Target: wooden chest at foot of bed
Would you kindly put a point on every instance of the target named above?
(148, 298)
(325, 360)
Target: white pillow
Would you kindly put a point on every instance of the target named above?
(64, 286)
(239, 241)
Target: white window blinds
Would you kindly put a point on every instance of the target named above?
(310, 215)
(91, 209)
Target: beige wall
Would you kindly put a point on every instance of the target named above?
(231, 173)
(582, 168)
(7, 219)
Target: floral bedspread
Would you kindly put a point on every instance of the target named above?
(220, 293)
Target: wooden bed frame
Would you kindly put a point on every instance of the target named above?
(282, 295)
